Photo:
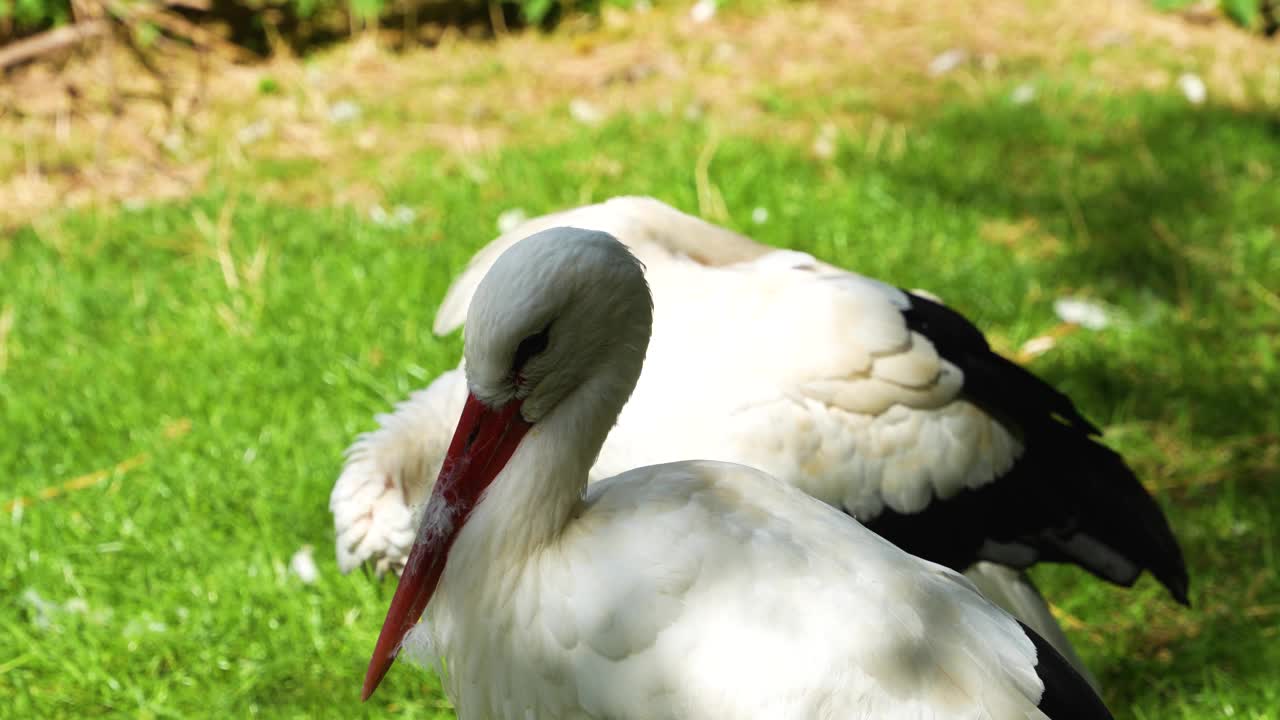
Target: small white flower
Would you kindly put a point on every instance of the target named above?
(1037, 346)
(253, 132)
(584, 112)
(403, 215)
(760, 215)
(1112, 37)
(703, 10)
(399, 216)
(510, 219)
(304, 566)
(824, 146)
(43, 610)
(343, 111)
(947, 61)
(1084, 313)
(1023, 94)
(1192, 88)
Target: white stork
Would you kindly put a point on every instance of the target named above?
(692, 590)
(881, 402)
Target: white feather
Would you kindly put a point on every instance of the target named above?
(778, 361)
(691, 590)
(388, 474)
(754, 602)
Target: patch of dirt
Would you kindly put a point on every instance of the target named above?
(795, 72)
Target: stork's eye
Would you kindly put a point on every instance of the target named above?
(529, 347)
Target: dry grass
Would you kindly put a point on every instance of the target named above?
(859, 69)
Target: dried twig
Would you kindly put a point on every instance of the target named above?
(50, 42)
(1043, 342)
(196, 35)
(78, 483)
(172, 431)
(497, 20)
(1175, 246)
(1075, 213)
(222, 246)
(1270, 12)
(6, 326)
(710, 201)
(161, 78)
(114, 103)
(1074, 623)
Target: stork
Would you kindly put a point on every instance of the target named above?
(884, 403)
(691, 590)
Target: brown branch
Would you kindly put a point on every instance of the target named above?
(50, 41)
(496, 19)
(196, 35)
(144, 60)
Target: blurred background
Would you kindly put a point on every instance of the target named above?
(225, 228)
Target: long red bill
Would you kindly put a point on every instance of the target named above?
(481, 446)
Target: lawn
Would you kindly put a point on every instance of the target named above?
(179, 377)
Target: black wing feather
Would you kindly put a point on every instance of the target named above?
(1068, 498)
(1066, 693)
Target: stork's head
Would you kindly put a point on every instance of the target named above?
(554, 309)
(559, 324)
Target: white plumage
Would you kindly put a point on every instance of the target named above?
(780, 362)
(389, 474)
(784, 363)
(687, 590)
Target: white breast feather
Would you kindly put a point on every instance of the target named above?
(673, 595)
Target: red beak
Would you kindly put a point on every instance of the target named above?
(481, 447)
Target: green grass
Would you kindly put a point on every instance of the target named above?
(170, 580)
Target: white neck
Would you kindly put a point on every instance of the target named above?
(535, 496)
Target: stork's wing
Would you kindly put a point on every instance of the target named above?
(883, 402)
(813, 375)
(894, 407)
(651, 228)
(1014, 591)
(1067, 693)
(389, 473)
(1068, 498)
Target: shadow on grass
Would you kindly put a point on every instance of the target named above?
(1155, 201)
(1224, 641)
(1131, 185)
(1213, 404)
(1170, 211)
(1155, 669)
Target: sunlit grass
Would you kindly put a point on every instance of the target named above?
(227, 348)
